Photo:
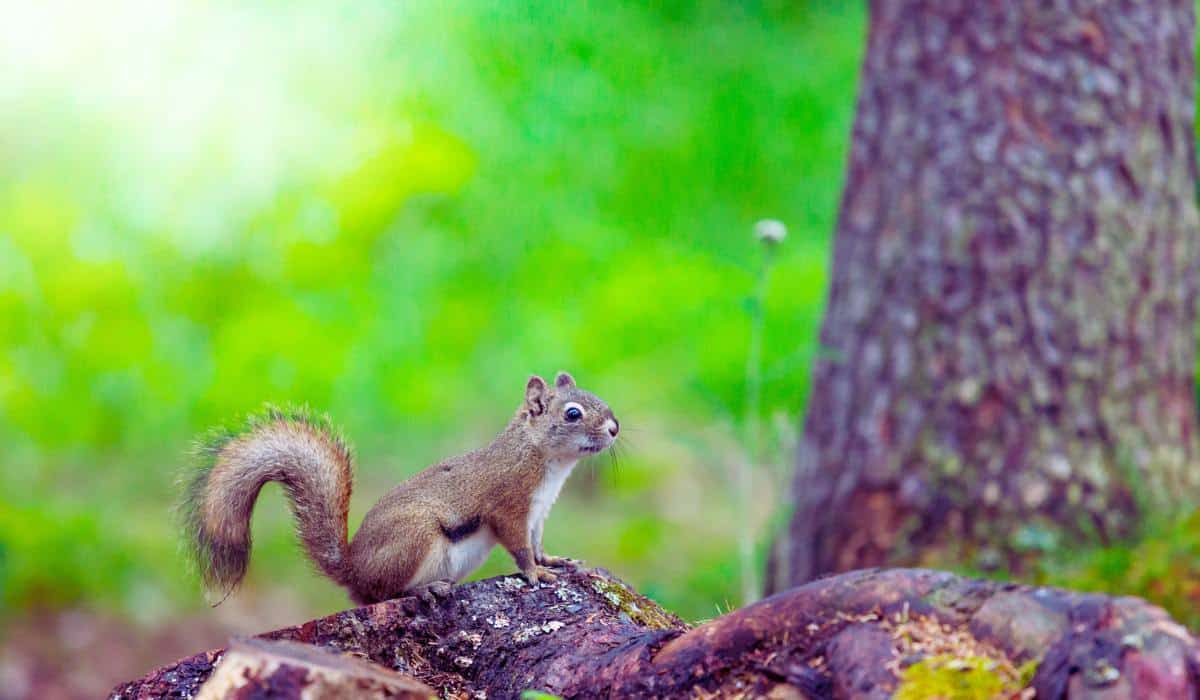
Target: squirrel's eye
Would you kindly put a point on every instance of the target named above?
(573, 412)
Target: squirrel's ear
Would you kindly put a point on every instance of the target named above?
(564, 381)
(535, 396)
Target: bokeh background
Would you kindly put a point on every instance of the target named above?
(395, 212)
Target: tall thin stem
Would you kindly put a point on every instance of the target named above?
(751, 587)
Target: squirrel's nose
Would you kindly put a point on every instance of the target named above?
(613, 427)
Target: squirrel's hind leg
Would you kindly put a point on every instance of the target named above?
(392, 565)
(430, 592)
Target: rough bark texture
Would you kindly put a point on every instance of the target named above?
(858, 635)
(1008, 349)
(257, 668)
(499, 636)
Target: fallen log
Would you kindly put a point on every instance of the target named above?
(907, 633)
(259, 668)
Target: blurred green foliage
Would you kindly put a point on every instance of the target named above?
(395, 213)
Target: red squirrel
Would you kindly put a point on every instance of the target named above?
(424, 535)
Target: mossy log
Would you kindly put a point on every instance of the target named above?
(865, 634)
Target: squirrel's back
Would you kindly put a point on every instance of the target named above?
(303, 453)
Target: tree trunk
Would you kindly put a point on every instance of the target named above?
(865, 634)
(1008, 348)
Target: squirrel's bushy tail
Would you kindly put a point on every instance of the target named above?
(305, 455)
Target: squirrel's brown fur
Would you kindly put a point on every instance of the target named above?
(430, 530)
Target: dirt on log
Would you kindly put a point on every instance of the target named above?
(863, 634)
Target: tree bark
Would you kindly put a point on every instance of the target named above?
(859, 635)
(1009, 344)
(258, 668)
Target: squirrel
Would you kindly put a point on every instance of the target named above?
(424, 535)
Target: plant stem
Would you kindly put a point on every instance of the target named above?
(751, 587)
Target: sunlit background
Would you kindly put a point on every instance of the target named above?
(394, 212)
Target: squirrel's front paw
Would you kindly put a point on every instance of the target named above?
(540, 573)
(551, 560)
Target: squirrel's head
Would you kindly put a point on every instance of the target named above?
(568, 422)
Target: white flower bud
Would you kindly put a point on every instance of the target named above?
(770, 231)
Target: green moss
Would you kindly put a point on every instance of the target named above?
(640, 609)
(947, 677)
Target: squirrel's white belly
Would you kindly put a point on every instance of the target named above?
(467, 554)
(547, 492)
(453, 561)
